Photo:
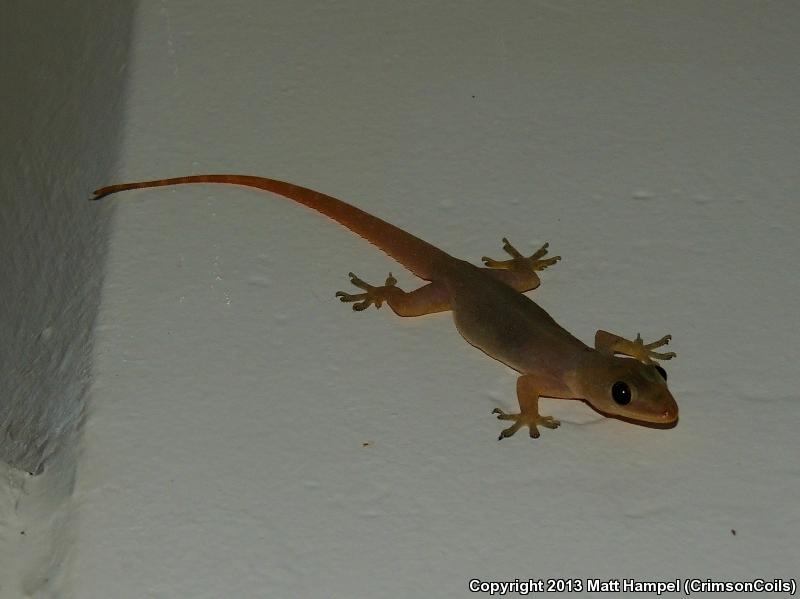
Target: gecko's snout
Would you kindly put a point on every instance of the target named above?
(670, 412)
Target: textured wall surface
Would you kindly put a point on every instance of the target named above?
(62, 98)
(251, 436)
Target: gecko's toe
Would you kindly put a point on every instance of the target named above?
(508, 432)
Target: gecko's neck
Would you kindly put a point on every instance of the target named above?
(586, 363)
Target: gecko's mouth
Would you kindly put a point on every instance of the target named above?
(663, 424)
(667, 418)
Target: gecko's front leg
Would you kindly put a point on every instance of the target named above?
(528, 397)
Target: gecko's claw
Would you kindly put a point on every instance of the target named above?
(531, 263)
(520, 420)
(371, 295)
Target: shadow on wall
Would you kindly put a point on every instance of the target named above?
(63, 81)
(63, 84)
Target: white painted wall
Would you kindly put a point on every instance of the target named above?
(252, 437)
(62, 89)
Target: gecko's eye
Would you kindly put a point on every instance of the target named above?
(662, 372)
(621, 393)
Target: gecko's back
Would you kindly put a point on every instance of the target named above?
(507, 325)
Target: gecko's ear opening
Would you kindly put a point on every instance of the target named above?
(662, 372)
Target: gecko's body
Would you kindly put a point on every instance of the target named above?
(492, 313)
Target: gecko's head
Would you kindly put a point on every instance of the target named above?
(628, 389)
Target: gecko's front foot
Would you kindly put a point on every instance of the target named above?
(371, 295)
(522, 419)
(530, 263)
(638, 349)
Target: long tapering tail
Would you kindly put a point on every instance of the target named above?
(418, 256)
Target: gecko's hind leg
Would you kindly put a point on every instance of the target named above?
(425, 300)
(528, 397)
(520, 271)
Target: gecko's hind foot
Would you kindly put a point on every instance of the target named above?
(371, 295)
(520, 420)
(531, 263)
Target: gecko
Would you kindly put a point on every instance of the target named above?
(618, 378)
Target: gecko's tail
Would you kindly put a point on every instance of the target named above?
(418, 256)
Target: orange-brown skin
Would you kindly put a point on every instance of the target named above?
(491, 313)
